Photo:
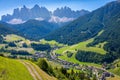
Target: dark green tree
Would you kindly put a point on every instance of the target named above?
(42, 63)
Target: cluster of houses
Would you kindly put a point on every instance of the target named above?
(40, 54)
(65, 64)
(100, 73)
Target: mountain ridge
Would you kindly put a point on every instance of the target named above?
(25, 13)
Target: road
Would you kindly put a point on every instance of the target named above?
(32, 70)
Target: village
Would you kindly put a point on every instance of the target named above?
(101, 73)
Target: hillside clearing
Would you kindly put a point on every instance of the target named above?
(12, 37)
(83, 46)
(52, 42)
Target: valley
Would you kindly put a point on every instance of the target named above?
(65, 51)
(61, 44)
(54, 55)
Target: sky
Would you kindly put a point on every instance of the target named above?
(7, 6)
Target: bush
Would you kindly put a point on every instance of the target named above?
(25, 45)
(42, 63)
(2, 55)
(41, 47)
(12, 44)
(21, 52)
(69, 54)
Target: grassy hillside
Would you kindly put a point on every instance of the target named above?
(34, 29)
(12, 37)
(43, 74)
(13, 70)
(15, 38)
(19, 41)
(4, 30)
(52, 42)
(81, 46)
(116, 69)
(87, 26)
(114, 78)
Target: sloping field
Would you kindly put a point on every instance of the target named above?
(11, 69)
(36, 72)
(83, 46)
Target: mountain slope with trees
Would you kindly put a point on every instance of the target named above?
(4, 30)
(89, 25)
(34, 29)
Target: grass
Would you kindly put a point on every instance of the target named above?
(52, 42)
(2, 45)
(21, 40)
(61, 50)
(116, 70)
(55, 64)
(30, 50)
(81, 46)
(44, 75)
(11, 69)
(101, 45)
(12, 37)
(72, 59)
(114, 78)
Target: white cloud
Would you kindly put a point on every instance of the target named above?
(58, 19)
(39, 19)
(16, 21)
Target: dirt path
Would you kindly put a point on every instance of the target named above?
(32, 70)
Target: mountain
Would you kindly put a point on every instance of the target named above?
(25, 13)
(37, 22)
(34, 29)
(105, 18)
(4, 30)
(67, 12)
(41, 13)
(111, 32)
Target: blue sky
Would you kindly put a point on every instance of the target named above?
(7, 6)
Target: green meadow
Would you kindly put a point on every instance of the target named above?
(81, 46)
(11, 69)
